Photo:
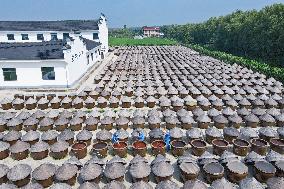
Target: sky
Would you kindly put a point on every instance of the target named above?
(129, 12)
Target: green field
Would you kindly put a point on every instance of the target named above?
(113, 41)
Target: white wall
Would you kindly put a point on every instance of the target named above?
(103, 34)
(47, 35)
(76, 57)
(29, 73)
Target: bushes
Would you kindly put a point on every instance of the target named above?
(270, 71)
(113, 41)
(252, 34)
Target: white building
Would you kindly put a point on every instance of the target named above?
(50, 53)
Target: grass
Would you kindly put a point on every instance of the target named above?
(113, 41)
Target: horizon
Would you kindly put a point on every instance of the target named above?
(127, 12)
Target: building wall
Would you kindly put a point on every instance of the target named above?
(76, 57)
(152, 33)
(47, 35)
(68, 71)
(29, 73)
(103, 34)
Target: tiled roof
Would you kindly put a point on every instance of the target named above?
(90, 44)
(66, 25)
(32, 50)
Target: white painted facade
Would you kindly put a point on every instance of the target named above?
(77, 59)
(76, 62)
(88, 34)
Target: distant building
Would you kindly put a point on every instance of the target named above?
(50, 53)
(151, 31)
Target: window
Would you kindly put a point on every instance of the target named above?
(9, 74)
(10, 36)
(92, 56)
(54, 36)
(88, 61)
(25, 37)
(48, 73)
(65, 36)
(95, 36)
(40, 37)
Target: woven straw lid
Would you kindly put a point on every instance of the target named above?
(84, 135)
(96, 160)
(6, 101)
(4, 146)
(253, 157)
(59, 146)
(91, 171)
(18, 101)
(138, 159)
(122, 134)
(275, 182)
(194, 184)
(249, 183)
(60, 186)
(162, 169)
(114, 170)
(38, 114)
(3, 170)
(214, 132)
(7, 186)
(12, 135)
(19, 172)
(31, 136)
(44, 171)
(91, 121)
(39, 147)
(103, 135)
(75, 121)
(156, 133)
(24, 115)
(33, 186)
(237, 167)
(167, 184)
(89, 185)
(49, 135)
(115, 185)
(213, 168)
(67, 114)
(67, 134)
(223, 184)
(141, 185)
(46, 122)
(189, 168)
(14, 122)
(65, 172)
(30, 101)
(117, 159)
(140, 170)
(43, 101)
(19, 146)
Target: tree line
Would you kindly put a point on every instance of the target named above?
(252, 34)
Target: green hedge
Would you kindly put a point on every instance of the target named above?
(115, 41)
(270, 71)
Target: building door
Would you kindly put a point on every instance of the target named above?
(102, 55)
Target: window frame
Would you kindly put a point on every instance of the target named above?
(53, 36)
(25, 36)
(97, 36)
(10, 71)
(45, 72)
(65, 36)
(10, 34)
(40, 39)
